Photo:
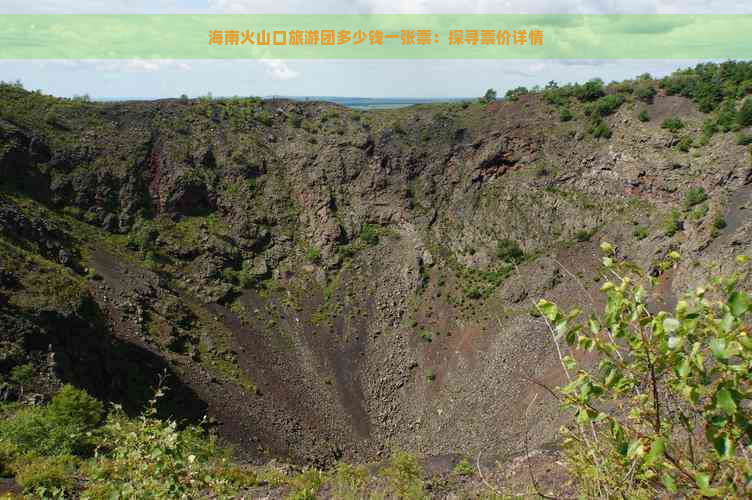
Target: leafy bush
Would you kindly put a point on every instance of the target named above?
(644, 90)
(509, 251)
(8, 454)
(33, 430)
(47, 477)
(590, 91)
(584, 235)
(673, 224)
(22, 375)
(673, 124)
(71, 406)
(489, 96)
(719, 222)
(370, 234)
(514, 94)
(665, 410)
(405, 476)
(608, 104)
(744, 139)
(643, 116)
(464, 468)
(640, 233)
(695, 196)
(744, 117)
(599, 129)
(565, 115)
(684, 143)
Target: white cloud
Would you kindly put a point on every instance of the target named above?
(278, 69)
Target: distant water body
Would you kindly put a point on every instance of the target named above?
(378, 102)
(351, 102)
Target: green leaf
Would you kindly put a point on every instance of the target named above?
(657, 449)
(636, 449)
(724, 401)
(675, 343)
(738, 303)
(702, 480)
(669, 483)
(549, 310)
(607, 248)
(718, 347)
(671, 324)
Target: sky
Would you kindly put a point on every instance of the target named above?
(143, 78)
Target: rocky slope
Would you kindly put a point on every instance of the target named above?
(329, 283)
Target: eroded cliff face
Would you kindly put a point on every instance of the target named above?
(329, 283)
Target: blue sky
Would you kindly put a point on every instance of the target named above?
(363, 78)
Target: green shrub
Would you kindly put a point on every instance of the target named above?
(370, 234)
(599, 129)
(71, 406)
(464, 468)
(33, 430)
(673, 124)
(665, 404)
(608, 104)
(47, 477)
(684, 144)
(719, 222)
(744, 117)
(640, 233)
(695, 196)
(8, 454)
(743, 139)
(643, 116)
(644, 90)
(404, 474)
(22, 375)
(313, 254)
(584, 235)
(673, 224)
(264, 118)
(508, 250)
(590, 91)
(699, 212)
(565, 115)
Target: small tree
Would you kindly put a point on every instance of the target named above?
(665, 412)
(744, 117)
(490, 95)
(22, 375)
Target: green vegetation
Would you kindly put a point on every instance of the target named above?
(643, 116)
(584, 235)
(743, 139)
(664, 410)
(48, 446)
(608, 104)
(684, 144)
(744, 118)
(709, 84)
(673, 224)
(673, 124)
(464, 468)
(599, 128)
(489, 96)
(565, 115)
(640, 233)
(695, 196)
(509, 251)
